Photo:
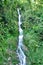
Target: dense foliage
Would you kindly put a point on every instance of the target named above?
(32, 18)
(8, 32)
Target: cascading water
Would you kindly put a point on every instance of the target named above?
(21, 55)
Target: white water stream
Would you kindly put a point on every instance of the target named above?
(20, 52)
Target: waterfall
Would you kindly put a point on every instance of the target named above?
(20, 53)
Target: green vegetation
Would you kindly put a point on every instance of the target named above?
(32, 18)
(8, 33)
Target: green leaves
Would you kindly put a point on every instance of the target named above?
(33, 34)
(32, 17)
(8, 32)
